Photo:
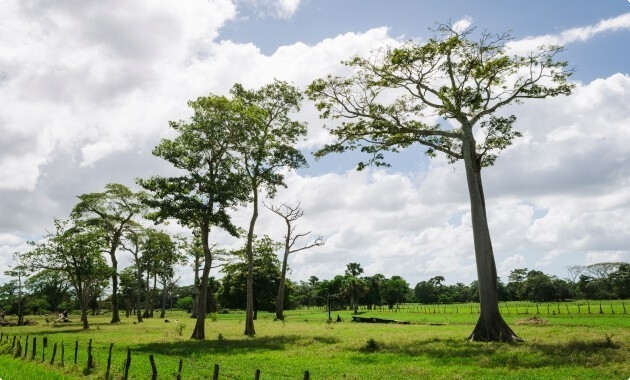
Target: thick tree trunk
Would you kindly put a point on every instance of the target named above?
(202, 303)
(115, 314)
(490, 326)
(83, 301)
(249, 313)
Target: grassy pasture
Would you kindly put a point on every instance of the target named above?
(564, 345)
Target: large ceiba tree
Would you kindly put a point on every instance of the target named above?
(444, 94)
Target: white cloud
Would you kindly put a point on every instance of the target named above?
(463, 24)
(85, 98)
(581, 34)
(282, 9)
(607, 257)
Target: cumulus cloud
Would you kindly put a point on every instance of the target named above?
(85, 98)
(580, 34)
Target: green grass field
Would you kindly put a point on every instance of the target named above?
(559, 345)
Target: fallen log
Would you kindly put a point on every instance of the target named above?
(356, 318)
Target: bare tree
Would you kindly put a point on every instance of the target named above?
(574, 272)
(290, 214)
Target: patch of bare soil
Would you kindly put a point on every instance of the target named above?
(531, 321)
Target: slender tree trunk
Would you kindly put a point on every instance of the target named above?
(490, 325)
(20, 314)
(200, 326)
(115, 314)
(283, 276)
(138, 291)
(146, 296)
(249, 314)
(163, 311)
(153, 291)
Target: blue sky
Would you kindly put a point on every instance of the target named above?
(87, 91)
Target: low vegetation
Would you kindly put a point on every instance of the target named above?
(558, 345)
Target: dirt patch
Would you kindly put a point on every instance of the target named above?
(532, 321)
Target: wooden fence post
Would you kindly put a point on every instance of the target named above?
(34, 348)
(13, 344)
(76, 351)
(307, 375)
(26, 347)
(179, 369)
(90, 360)
(18, 350)
(63, 353)
(257, 375)
(215, 375)
(154, 372)
(127, 364)
(52, 359)
(44, 345)
(109, 361)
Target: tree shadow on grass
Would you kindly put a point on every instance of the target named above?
(232, 346)
(575, 353)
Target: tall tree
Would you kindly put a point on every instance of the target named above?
(375, 293)
(135, 237)
(353, 286)
(516, 283)
(395, 290)
(75, 250)
(290, 214)
(266, 145)
(20, 271)
(164, 253)
(391, 102)
(112, 211)
(210, 184)
(51, 285)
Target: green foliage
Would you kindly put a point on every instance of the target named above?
(179, 328)
(75, 250)
(453, 75)
(185, 303)
(233, 292)
(203, 150)
(371, 345)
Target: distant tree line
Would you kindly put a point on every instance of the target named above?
(49, 290)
